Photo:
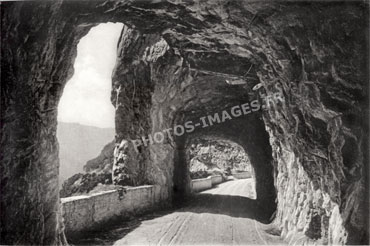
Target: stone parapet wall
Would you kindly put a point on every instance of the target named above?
(86, 213)
(217, 179)
(243, 175)
(198, 185)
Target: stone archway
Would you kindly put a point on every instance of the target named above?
(320, 66)
(253, 138)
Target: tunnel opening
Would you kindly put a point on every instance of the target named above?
(314, 82)
(221, 159)
(86, 125)
(248, 132)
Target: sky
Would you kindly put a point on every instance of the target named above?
(86, 96)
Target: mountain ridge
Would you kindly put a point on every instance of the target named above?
(78, 144)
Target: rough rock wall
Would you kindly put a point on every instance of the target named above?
(36, 59)
(133, 95)
(315, 51)
(318, 138)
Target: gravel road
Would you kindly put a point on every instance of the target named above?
(224, 215)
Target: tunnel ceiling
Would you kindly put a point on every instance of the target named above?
(205, 34)
(315, 51)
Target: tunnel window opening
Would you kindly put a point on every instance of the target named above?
(86, 125)
(221, 161)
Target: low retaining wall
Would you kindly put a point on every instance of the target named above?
(243, 175)
(217, 179)
(85, 213)
(201, 184)
(206, 183)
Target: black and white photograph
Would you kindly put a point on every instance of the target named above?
(184, 122)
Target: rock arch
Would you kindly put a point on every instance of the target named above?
(251, 135)
(314, 51)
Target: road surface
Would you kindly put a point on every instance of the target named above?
(223, 215)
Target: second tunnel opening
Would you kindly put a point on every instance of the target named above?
(213, 161)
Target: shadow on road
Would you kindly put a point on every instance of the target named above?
(234, 206)
(116, 230)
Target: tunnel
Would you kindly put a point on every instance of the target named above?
(257, 153)
(179, 61)
(248, 132)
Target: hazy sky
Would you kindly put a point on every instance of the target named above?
(86, 97)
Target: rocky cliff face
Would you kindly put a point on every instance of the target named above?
(97, 175)
(219, 156)
(77, 145)
(181, 60)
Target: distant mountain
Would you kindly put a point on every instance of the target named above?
(97, 175)
(79, 144)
